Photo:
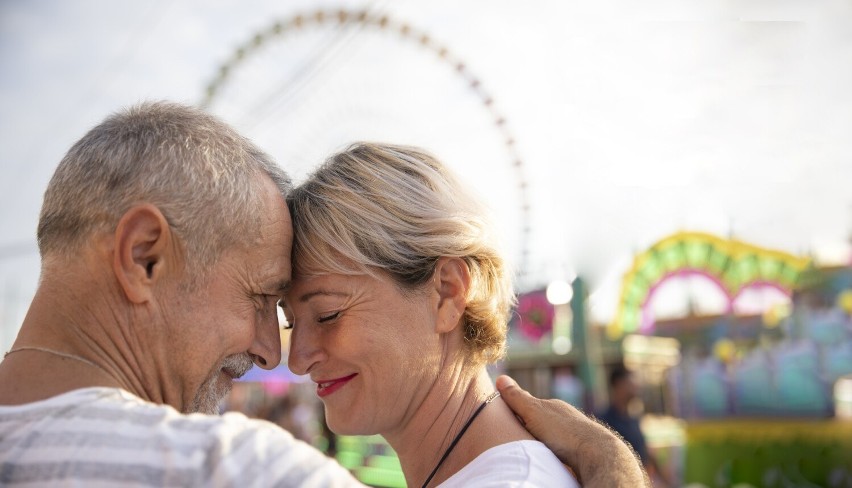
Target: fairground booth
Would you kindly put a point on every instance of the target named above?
(756, 392)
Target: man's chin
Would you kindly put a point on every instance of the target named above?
(211, 394)
(219, 383)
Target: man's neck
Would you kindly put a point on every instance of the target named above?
(57, 351)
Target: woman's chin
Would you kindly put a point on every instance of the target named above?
(341, 427)
(348, 430)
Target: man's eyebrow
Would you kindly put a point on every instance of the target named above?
(280, 287)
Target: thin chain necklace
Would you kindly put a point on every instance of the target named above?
(58, 353)
(488, 400)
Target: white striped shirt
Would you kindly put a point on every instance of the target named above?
(108, 437)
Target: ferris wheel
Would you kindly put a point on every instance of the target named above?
(311, 83)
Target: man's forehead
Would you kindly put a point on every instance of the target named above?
(272, 268)
(276, 229)
(281, 286)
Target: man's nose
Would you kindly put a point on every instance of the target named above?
(266, 349)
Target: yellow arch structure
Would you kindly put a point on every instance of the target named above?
(734, 266)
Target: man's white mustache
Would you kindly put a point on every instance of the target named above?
(237, 365)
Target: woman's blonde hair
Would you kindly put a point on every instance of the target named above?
(397, 210)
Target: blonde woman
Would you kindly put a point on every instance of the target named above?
(398, 302)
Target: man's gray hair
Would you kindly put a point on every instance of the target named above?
(202, 175)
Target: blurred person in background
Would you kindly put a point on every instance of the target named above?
(165, 242)
(292, 415)
(620, 415)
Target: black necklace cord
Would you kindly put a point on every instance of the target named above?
(488, 400)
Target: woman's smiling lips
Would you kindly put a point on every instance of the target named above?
(327, 387)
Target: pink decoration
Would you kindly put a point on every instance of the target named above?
(536, 315)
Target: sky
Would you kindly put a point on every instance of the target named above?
(632, 120)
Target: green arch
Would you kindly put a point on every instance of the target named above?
(734, 265)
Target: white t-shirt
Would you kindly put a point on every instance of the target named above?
(97, 437)
(519, 464)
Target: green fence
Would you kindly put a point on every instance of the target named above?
(769, 453)
(371, 460)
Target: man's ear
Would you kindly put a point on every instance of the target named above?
(142, 240)
(452, 281)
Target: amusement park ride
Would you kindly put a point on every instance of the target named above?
(320, 102)
(331, 113)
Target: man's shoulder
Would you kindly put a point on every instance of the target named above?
(116, 413)
(102, 433)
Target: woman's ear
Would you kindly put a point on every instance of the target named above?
(452, 281)
(142, 239)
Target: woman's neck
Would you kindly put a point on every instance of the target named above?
(448, 406)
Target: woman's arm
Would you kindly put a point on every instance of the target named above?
(596, 454)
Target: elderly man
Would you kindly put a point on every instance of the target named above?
(165, 243)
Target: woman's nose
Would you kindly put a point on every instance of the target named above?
(305, 350)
